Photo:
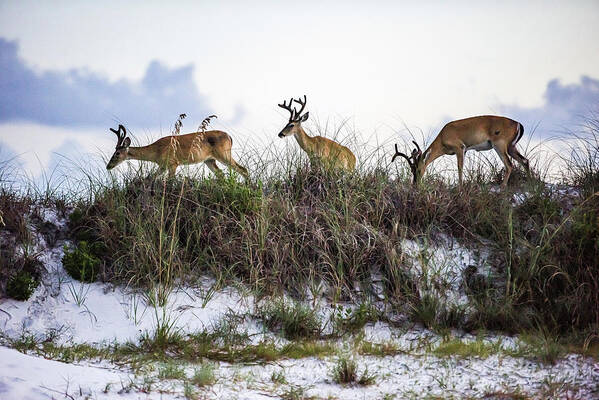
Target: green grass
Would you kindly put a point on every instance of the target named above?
(295, 392)
(459, 348)
(291, 318)
(204, 375)
(538, 346)
(345, 371)
(384, 349)
(278, 377)
(304, 349)
(185, 349)
(171, 371)
(351, 320)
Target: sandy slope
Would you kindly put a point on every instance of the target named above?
(73, 312)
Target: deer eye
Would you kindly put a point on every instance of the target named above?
(291, 125)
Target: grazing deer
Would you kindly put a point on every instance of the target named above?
(171, 151)
(481, 133)
(325, 150)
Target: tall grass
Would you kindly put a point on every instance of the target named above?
(296, 225)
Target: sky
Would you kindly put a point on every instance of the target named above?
(69, 70)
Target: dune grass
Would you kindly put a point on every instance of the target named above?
(296, 225)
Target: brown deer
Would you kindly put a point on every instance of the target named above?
(325, 150)
(171, 151)
(481, 133)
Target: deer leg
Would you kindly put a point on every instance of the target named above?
(460, 155)
(513, 151)
(171, 170)
(242, 170)
(228, 160)
(211, 164)
(508, 166)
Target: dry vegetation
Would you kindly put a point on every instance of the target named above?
(302, 227)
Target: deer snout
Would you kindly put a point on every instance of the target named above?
(112, 163)
(285, 131)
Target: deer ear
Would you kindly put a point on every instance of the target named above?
(304, 117)
(127, 142)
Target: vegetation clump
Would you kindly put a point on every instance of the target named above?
(171, 371)
(302, 223)
(204, 375)
(295, 224)
(19, 269)
(345, 371)
(81, 263)
(350, 320)
(293, 319)
(22, 285)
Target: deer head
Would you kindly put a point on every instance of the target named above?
(122, 147)
(416, 161)
(296, 117)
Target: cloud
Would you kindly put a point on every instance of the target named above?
(79, 98)
(565, 107)
(8, 157)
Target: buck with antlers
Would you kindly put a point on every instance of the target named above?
(477, 133)
(325, 150)
(171, 151)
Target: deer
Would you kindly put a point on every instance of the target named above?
(318, 148)
(171, 151)
(479, 133)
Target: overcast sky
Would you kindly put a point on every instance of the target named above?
(70, 70)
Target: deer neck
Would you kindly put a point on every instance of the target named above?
(434, 151)
(143, 153)
(306, 142)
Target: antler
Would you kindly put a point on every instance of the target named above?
(301, 103)
(288, 108)
(399, 153)
(418, 147)
(120, 134)
(412, 160)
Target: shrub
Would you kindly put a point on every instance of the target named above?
(81, 263)
(21, 286)
(14, 210)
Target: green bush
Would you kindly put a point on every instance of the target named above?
(78, 230)
(21, 286)
(81, 263)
